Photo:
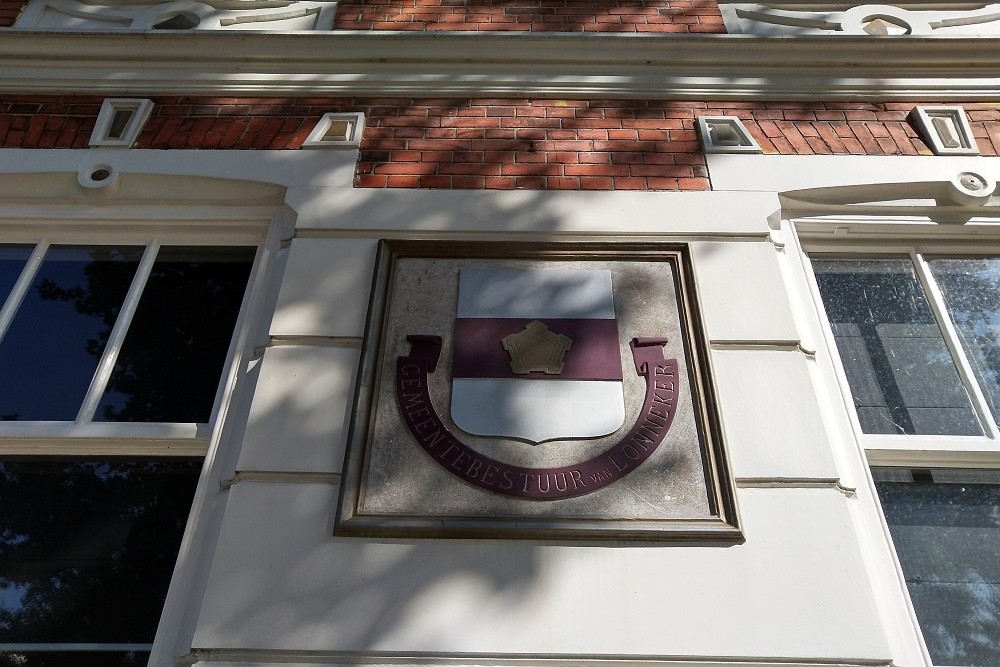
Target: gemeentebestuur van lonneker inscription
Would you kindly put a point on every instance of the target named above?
(539, 394)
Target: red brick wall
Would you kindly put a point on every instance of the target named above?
(523, 15)
(9, 11)
(551, 144)
(501, 143)
(534, 15)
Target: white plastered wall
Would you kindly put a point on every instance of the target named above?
(265, 582)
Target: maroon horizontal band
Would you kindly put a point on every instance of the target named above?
(594, 354)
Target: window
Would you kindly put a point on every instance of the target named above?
(103, 348)
(945, 524)
(918, 337)
(117, 333)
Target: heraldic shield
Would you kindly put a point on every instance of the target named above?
(536, 354)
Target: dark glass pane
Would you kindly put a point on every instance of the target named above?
(971, 289)
(12, 260)
(902, 377)
(946, 529)
(87, 547)
(49, 354)
(173, 354)
(74, 659)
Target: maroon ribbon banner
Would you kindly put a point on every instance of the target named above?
(487, 473)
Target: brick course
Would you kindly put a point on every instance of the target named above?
(9, 11)
(660, 16)
(500, 143)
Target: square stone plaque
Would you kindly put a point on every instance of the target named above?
(535, 391)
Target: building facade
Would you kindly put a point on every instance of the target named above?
(216, 220)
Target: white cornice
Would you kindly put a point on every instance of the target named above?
(500, 64)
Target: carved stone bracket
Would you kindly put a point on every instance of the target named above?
(957, 199)
(866, 19)
(271, 15)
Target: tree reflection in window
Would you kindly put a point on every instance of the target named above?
(168, 369)
(946, 528)
(902, 376)
(51, 349)
(86, 553)
(169, 366)
(971, 289)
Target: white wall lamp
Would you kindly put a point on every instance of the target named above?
(337, 130)
(725, 134)
(946, 130)
(120, 121)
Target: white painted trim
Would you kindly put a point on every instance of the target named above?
(499, 64)
(143, 15)
(355, 127)
(78, 646)
(140, 108)
(707, 131)
(106, 366)
(925, 117)
(788, 173)
(187, 582)
(125, 435)
(9, 308)
(887, 579)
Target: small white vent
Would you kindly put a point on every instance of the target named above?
(725, 134)
(946, 130)
(120, 122)
(337, 130)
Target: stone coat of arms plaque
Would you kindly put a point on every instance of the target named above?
(558, 390)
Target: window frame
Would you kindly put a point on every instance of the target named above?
(806, 235)
(895, 450)
(195, 224)
(83, 437)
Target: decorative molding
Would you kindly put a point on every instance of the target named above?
(134, 15)
(863, 19)
(120, 121)
(725, 134)
(946, 130)
(337, 130)
(954, 200)
(259, 657)
(511, 64)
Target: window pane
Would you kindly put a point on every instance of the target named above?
(50, 352)
(87, 548)
(901, 374)
(170, 363)
(971, 289)
(12, 260)
(946, 528)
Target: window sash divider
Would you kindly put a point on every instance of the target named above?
(21, 287)
(72, 646)
(954, 343)
(913, 456)
(103, 439)
(99, 381)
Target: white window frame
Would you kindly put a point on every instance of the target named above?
(874, 236)
(84, 437)
(259, 227)
(911, 449)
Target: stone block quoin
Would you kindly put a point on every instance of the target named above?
(655, 16)
(501, 143)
